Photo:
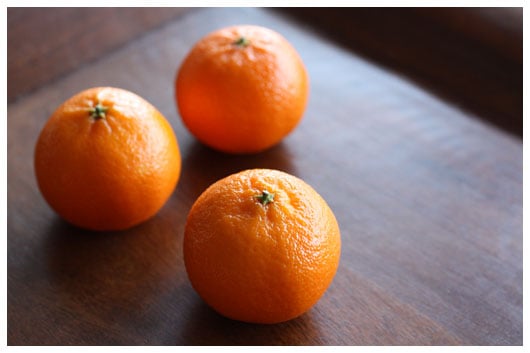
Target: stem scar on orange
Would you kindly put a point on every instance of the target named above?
(261, 246)
(242, 89)
(107, 159)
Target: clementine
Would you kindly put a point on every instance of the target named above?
(107, 159)
(242, 89)
(261, 246)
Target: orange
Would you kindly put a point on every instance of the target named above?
(107, 159)
(242, 89)
(261, 246)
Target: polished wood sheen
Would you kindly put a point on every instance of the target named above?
(428, 198)
(45, 44)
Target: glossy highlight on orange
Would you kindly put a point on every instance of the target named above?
(107, 159)
(242, 89)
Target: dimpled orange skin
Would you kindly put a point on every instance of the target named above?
(261, 263)
(242, 89)
(107, 173)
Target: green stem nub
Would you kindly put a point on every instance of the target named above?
(98, 112)
(265, 197)
(242, 42)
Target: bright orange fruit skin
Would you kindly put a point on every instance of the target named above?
(107, 173)
(261, 263)
(242, 89)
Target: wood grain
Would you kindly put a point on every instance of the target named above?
(46, 43)
(428, 198)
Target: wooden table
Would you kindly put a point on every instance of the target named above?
(428, 197)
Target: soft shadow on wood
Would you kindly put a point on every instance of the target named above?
(203, 166)
(206, 327)
(113, 277)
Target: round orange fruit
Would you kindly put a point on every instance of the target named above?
(261, 246)
(107, 159)
(242, 89)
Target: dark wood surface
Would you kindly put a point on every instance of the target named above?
(44, 45)
(428, 198)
